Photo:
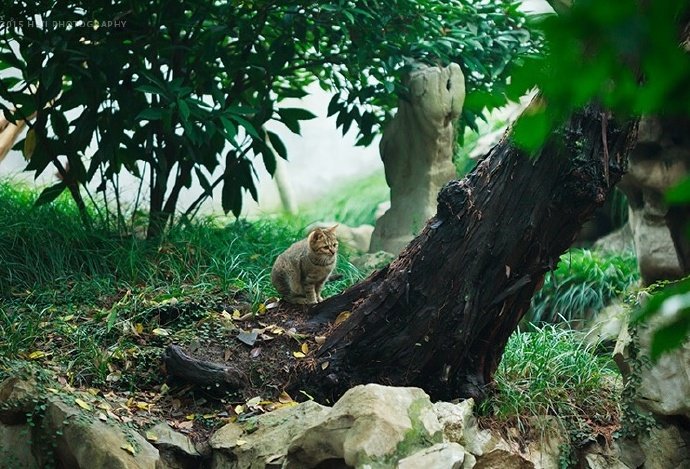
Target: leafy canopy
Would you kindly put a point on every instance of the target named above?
(171, 91)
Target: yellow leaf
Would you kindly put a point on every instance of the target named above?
(53, 390)
(151, 436)
(284, 398)
(93, 391)
(262, 308)
(144, 405)
(82, 404)
(190, 417)
(305, 348)
(320, 339)
(298, 354)
(160, 331)
(36, 355)
(239, 409)
(129, 449)
(138, 328)
(29, 144)
(236, 314)
(324, 365)
(342, 317)
(69, 317)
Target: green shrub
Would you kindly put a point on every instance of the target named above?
(583, 283)
(551, 371)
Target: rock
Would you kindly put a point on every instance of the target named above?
(18, 397)
(665, 385)
(502, 459)
(263, 440)
(460, 426)
(659, 160)
(441, 455)
(15, 447)
(629, 452)
(368, 425)
(616, 242)
(372, 261)
(356, 237)
(607, 324)
(595, 456)
(175, 449)
(666, 446)
(545, 451)
(417, 153)
(82, 442)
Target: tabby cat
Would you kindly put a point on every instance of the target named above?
(301, 270)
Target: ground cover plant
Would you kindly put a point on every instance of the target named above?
(94, 309)
(581, 285)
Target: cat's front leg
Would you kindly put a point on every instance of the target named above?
(317, 290)
(310, 292)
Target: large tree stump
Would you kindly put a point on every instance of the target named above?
(440, 315)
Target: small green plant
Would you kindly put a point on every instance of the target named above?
(583, 283)
(552, 371)
(78, 300)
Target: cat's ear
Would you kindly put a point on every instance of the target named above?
(332, 228)
(314, 235)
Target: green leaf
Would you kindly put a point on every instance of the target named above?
(150, 114)
(277, 144)
(679, 194)
(184, 109)
(670, 337)
(248, 126)
(50, 193)
(230, 129)
(291, 116)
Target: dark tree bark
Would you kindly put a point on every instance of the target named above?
(440, 315)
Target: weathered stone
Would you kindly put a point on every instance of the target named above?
(175, 449)
(356, 237)
(82, 442)
(441, 455)
(607, 324)
(263, 440)
(660, 159)
(460, 426)
(616, 242)
(369, 424)
(629, 452)
(370, 262)
(18, 397)
(15, 447)
(417, 150)
(502, 459)
(545, 451)
(665, 386)
(666, 446)
(597, 457)
(168, 438)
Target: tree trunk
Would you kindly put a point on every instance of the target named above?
(440, 315)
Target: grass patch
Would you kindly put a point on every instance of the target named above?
(352, 204)
(91, 303)
(551, 371)
(583, 283)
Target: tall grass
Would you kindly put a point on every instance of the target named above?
(583, 283)
(551, 371)
(353, 204)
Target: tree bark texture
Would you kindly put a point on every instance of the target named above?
(440, 315)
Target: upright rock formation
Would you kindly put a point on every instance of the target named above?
(417, 153)
(660, 159)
